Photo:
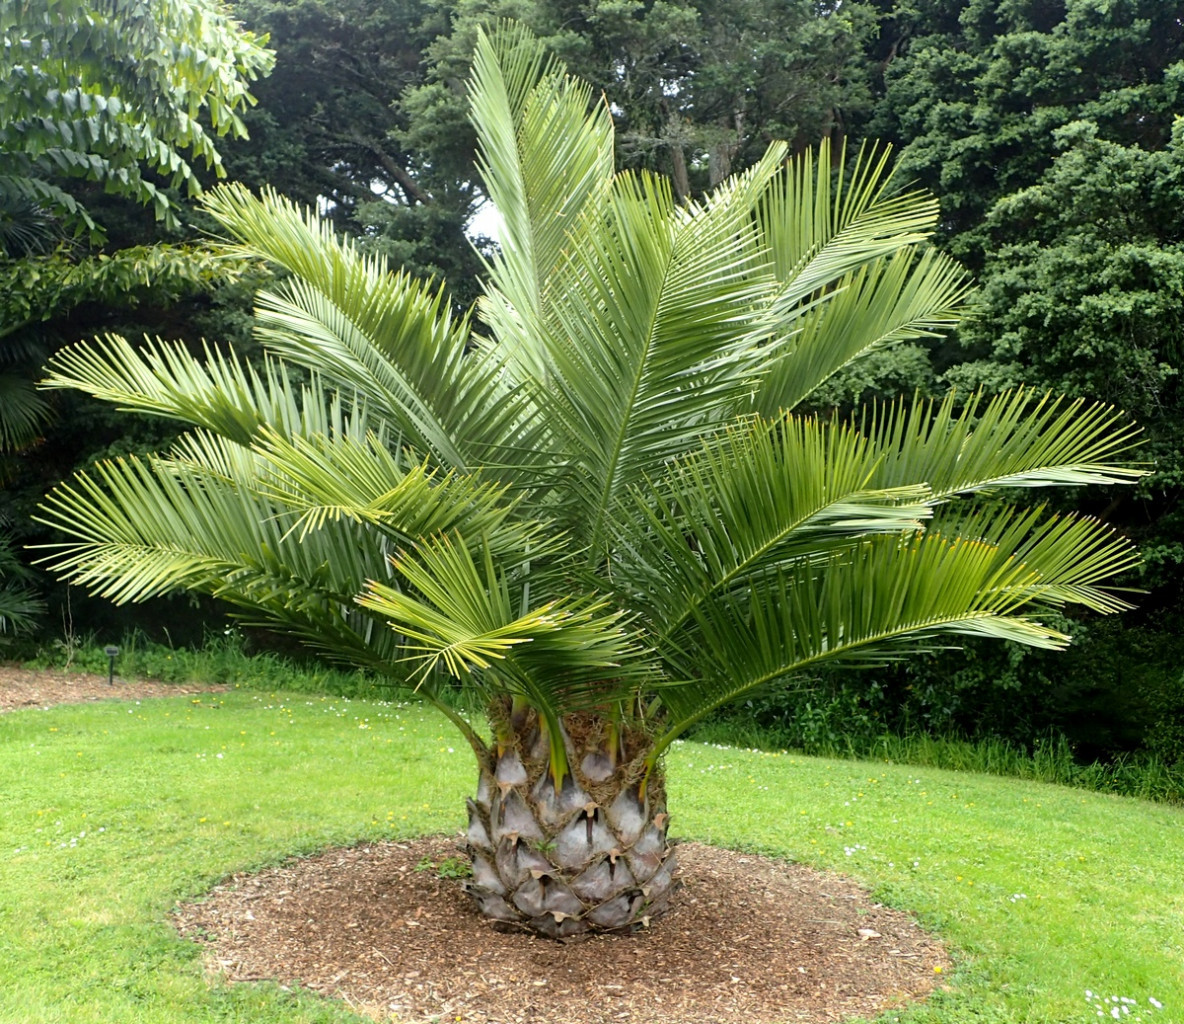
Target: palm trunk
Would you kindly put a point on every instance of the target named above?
(587, 856)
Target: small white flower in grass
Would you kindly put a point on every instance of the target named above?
(1155, 1002)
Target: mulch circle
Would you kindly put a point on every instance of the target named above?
(748, 939)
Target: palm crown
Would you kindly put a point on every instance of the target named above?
(590, 506)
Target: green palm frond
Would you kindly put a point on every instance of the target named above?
(324, 478)
(145, 528)
(1017, 439)
(384, 335)
(20, 604)
(654, 342)
(817, 227)
(884, 302)
(222, 393)
(765, 494)
(862, 605)
(473, 616)
(545, 156)
(20, 608)
(22, 412)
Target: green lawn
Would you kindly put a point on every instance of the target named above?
(113, 812)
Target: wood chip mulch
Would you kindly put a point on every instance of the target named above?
(748, 940)
(42, 688)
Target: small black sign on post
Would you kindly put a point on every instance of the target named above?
(111, 651)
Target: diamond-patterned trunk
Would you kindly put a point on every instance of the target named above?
(591, 856)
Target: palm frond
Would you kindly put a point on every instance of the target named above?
(145, 528)
(864, 604)
(323, 478)
(654, 343)
(384, 335)
(761, 496)
(1017, 439)
(545, 154)
(473, 616)
(818, 228)
(222, 394)
(22, 412)
(20, 608)
(884, 302)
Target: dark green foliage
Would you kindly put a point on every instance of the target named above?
(334, 129)
(1045, 127)
(697, 89)
(976, 90)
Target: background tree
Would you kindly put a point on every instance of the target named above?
(332, 130)
(974, 92)
(102, 90)
(1046, 128)
(594, 515)
(113, 93)
(101, 99)
(697, 89)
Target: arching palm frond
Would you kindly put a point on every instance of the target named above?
(221, 393)
(1016, 439)
(384, 335)
(22, 412)
(886, 301)
(764, 495)
(653, 343)
(540, 174)
(982, 576)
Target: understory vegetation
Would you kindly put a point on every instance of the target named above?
(115, 811)
(834, 724)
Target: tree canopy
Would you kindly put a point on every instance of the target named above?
(104, 89)
(976, 90)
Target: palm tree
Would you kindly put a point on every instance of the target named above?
(589, 509)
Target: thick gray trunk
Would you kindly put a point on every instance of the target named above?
(592, 857)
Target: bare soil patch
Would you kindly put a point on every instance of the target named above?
(42, 688)
(748, 940)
